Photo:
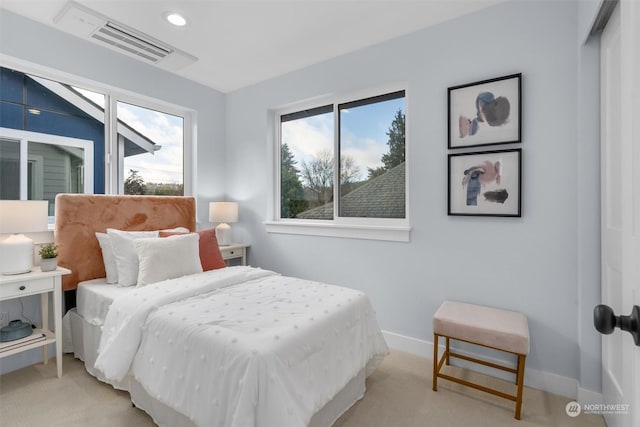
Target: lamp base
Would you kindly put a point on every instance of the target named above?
(16, 255)
(223, 233)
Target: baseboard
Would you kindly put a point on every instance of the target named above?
(587, 397)
(534, 378)
(409, 345)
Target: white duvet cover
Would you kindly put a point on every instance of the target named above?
(241, 346)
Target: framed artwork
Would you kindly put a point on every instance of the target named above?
(486, 112)
(485, 183)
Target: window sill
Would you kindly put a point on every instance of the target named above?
(348, 231)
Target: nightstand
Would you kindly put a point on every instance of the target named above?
(34, 283)
(235, 251)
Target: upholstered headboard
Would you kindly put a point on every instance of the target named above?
(80, 216)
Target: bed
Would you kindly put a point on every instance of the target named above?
(233, 346)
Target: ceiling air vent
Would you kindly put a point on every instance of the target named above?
(133, 43)
(89, 24)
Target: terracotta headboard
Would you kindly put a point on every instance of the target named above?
(80, 216)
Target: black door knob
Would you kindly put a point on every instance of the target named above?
(605, 321)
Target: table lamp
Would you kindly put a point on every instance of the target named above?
(223, 213)
(16, 217)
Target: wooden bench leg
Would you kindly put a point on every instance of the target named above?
(447, 351)
(519, 371)
(435, 362)
(519, 384)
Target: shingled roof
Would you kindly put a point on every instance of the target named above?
(381, 197)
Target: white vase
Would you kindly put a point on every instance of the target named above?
(48, 264)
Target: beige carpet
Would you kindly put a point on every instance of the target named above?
(398, 395)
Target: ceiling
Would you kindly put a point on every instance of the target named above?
(242, 42)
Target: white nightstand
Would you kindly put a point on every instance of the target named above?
(33, 283)
(235, 251)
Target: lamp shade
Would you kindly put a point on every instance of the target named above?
(224, 212)
(23, 216)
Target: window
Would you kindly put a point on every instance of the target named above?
(342, 167)
(372, 167)
(306, 164)
(158, 167)
(52, 165)
(56, 137)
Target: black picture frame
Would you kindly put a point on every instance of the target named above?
(487, 183)
(486, 112)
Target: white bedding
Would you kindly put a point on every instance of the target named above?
(241, 346)
(94, 297)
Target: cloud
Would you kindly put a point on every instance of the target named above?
(307, 137)
(366, 152)
(165, 165)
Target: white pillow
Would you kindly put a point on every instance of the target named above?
(124, 252)
(108, 257)
(167, 258)
(109, 260)
(176, 230)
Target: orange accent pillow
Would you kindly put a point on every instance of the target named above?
(210, 256)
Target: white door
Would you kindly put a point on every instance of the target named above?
(620, 174)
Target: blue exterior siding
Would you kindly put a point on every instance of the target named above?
(57, 116)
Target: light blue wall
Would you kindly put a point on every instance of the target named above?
(38, 44)
(534, 264)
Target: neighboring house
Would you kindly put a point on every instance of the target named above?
(54, 114)
(381, 197)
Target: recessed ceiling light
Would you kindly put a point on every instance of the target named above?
(175, 19)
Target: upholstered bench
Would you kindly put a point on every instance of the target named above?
(494, 328)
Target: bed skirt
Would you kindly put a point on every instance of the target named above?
(83, 338)
(167, 417)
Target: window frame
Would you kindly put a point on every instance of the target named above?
(115, 181)
(391, 229)
(24, 137)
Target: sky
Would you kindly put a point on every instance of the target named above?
(166, 130)
(363, 134)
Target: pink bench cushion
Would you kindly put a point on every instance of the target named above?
(502, 329)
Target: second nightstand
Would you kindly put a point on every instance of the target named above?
(235, 251)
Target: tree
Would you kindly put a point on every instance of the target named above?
(318, 176)
(375, 172)
(134, 184)
(396, 154)
(396, 133)
(292, 199)
(162, 189)
(349, 171)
